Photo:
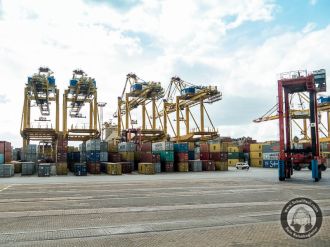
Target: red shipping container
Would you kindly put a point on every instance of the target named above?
(7, 157)
(208, 165)
(5, 147)
(204, 155)
(215, 156)
(204, 147)
(127, 167)
(181, 157)
(146, 147)
(223, 156)
(150, 158)
(114, 157)
(94, 168)
(168, 167)
(246, 148)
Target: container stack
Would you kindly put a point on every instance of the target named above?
(146, 168)
(17, 166)
(195, 165)
(16, 154)
(111, 168)
(44, 170)
(256, 155)
(197, 153)
(219, 154)
(146, 156)
(82, 150)
(191, 151)
(181, 157)
(31, 153)
(61, 161)
(6, 170)
(165, 150)
(127, 150)
(270, 155)
(80, 169)
(5, 152)
(204, 151)
(28, 168)
(233, 155)
(104, 151)
(93, 147)
(72, 158)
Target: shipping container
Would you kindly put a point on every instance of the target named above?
(255, 155)
(104, 146)
(221, 166)
(204, 148)
(80, 169)
(112, 148)
(165, 156)
(127, 156)
(104, 156)
(181, 147)
(215, 156)
(43, 170)
(61, 168)
(162, 146)
(158, 167)
(146, 168)
(114, 157)
(270, 163)
(208, 165)
(113, 168)
(204, 155)
(126, 147)
(256, 162)
(269, 148)
(256, 147)
(93, 145)
(149, 158)
(53, 171)
(215, 147)
(6, 170)
(127, 167)
(94, 168)
(191, 155)
(270, 156)
(146, 147)
(195, 165)
(93, 156)
(28, 168)
(197, 156)
(233, 149)
(181, 157)
(182, 167)
(191, 146)
(2, 158)
(233, 155)
(167, 166)
(224, 156)
(232, 162)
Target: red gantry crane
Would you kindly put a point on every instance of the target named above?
(297, 82)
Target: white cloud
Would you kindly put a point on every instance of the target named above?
(186, 38)
(312, 2)
(309, 27)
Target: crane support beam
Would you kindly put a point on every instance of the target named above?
(177, 118)
(187, 120)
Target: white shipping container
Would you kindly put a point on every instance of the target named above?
(271, 156)
(162, 146)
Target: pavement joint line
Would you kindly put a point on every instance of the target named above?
(5, 188)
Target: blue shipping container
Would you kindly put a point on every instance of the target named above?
(270, 163)
(191, 155)
(73, 82)
(2, 159)
(80, 169)
(93, 155)
(188, 90)
(181, 147)
(136, 87)
(51, 80)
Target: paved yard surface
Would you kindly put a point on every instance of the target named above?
(234, 208)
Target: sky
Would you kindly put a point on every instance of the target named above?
(241, 46)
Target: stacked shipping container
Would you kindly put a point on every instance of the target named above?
(93, 148)
(256, 155)
(181, 157)
(270, 155)
(166, 151)
(5, 152)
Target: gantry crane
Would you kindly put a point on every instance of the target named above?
(182, 95)
(295, 82)
(40, 91)
(136, 93)
(82, 90)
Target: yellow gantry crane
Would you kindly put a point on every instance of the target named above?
(182, 96)
(40, 91)
(136, 93)
(82, 90)
(302, 114)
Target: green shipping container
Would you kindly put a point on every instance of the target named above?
(165, 156)
(233, 155)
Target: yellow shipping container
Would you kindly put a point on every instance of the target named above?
(255, 155)
(233, 149)
(256, 162)
(114, 169)
(232, 162)
(62, 168)
(214, 148)
(127, 156)
(112, 148)
(256, 147)
(146, 168)
(221, 166)
(183, 167)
